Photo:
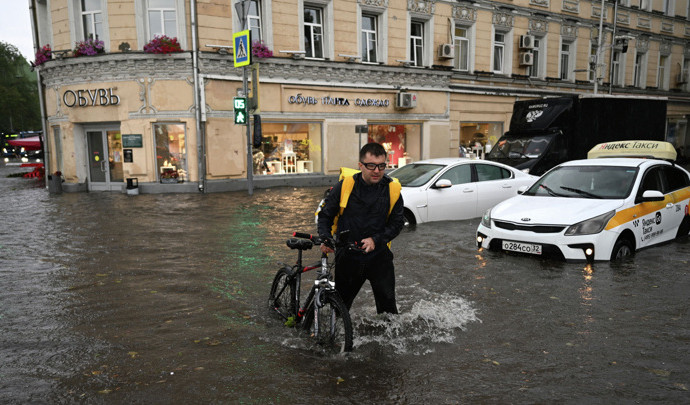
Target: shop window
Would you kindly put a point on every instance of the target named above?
(401, 142)
(478, 137)
(171, 152)
(288, 148)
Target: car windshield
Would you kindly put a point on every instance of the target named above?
(416, 174)
(605, 182)
(520, 148)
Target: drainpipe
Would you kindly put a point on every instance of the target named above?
(41, 99)
(613, 44)
(200, 138)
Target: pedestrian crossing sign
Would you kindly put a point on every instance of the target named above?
(242, 49)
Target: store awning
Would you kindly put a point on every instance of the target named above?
(31, 143)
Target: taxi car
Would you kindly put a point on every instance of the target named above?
(446, 189)
(626, 196)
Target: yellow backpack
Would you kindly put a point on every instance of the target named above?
(347, 176)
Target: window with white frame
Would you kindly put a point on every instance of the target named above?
(92, 19)
(313, 32)
(592, 69)
(616, 74)
(684, 73)
(254, 20)
(162, 18)
(668, 7)
(369, 38)
(461, 42)
(662, 72)
(639, 70)
(566, 60)
(499, 52)
(537, 55)
(417, 43)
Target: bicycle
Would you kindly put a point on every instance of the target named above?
(324, 314)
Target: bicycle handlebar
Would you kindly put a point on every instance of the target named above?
(342, 241)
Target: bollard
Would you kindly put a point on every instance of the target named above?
(132, 186)
(55, 183)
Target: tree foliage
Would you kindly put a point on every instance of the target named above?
(19, 108)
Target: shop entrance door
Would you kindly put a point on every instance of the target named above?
(105, 160)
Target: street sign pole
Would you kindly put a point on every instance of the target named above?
(250, 157)
(242, 51)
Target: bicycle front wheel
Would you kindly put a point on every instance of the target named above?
(282, 296)
(333, 331)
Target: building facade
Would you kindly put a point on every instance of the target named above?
(421, 77)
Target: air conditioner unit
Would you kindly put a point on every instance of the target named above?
(406, 100)
(526, 59)
(446, 51)
(526, 41)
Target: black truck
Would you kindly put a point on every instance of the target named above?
(546, 132)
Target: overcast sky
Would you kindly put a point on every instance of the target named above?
(15, 26)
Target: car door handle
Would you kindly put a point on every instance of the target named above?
(467, 190)
(669, 205)
(507, 186)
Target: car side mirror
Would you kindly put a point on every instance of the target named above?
(652, 195)
(443, 183)
(522, 189)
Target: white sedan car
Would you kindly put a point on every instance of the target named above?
(594, 209)
(456, 188)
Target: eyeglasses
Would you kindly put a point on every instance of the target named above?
(373, 166)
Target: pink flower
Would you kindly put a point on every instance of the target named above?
(42, 56)
(162, 44)
(88, 47)
(260, 50)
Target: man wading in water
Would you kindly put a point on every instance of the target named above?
(373, 214)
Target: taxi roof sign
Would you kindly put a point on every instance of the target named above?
(634, 149)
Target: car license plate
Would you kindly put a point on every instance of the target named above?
(522, 247)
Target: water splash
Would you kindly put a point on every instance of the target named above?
(436, 318)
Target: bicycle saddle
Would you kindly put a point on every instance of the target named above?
(301, 244)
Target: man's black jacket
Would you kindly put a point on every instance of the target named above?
(366, 214)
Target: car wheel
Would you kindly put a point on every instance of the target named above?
(684, 228)
(409, 218)
(622, 249)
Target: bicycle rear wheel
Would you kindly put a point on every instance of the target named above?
(282, 296)
(334, 324)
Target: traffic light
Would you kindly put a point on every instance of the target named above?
(240, 104)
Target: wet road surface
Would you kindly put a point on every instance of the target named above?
(109, 298)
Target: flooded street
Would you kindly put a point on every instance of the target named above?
(110, 298)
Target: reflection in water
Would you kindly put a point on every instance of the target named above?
(109, 298)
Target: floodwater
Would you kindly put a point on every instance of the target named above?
(110, 298)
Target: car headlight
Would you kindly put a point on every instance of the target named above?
(590, 226)
(486, 218)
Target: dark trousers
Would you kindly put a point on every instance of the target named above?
(351, 274)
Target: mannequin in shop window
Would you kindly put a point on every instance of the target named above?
(260, 166)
